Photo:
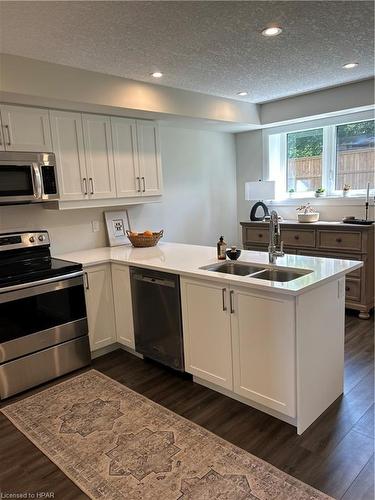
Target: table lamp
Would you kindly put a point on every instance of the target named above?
(259, 190)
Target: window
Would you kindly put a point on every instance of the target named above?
(304, 166)
(355, 155)
(328, 157)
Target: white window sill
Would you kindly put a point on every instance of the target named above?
(322, 200)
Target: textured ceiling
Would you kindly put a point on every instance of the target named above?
(210, 47)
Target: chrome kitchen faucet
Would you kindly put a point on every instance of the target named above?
(275, 246)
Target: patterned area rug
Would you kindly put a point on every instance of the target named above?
(116, 444)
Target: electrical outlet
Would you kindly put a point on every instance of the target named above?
(95, 226)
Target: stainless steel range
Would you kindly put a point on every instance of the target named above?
(43, 323)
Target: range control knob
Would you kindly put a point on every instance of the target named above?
(41, 237)
(31, 239)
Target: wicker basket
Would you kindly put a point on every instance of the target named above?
(141, 241)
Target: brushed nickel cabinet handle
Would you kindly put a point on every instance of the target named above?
(84, 180)
(223, 294)
(92, 185)
(9, 143)
(231, 294)
(139, 184)
(144, 184)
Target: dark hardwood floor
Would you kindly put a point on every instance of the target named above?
(335, 455)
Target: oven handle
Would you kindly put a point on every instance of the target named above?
(37, 181)
(54, 284)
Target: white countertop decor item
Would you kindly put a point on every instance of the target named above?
(117, 223)
(305, 213)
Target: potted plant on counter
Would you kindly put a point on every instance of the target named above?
(305, 213)
(346, 189)
(319, 192)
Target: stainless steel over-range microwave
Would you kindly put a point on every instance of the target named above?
(27, 177)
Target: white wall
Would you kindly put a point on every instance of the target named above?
(40, 83)
(340, 99)
(199, 202)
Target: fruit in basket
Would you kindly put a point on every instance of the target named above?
(148, 234)
(133, 233)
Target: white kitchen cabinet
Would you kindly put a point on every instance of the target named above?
(99, 303)
(207, 334)
(124, 137)
(25, 129)
(263, 337)
(149, 158)
(68, 146)
(123, 305)
(99, 156)
(2, 140)
(233, 330)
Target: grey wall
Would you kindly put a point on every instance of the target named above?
(199, 202)
(249, 168)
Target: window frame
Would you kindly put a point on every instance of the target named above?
(302, 194)
(278, 160)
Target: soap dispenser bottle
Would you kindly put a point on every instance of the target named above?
(221, 249)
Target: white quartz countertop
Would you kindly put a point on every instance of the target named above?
(186, 260)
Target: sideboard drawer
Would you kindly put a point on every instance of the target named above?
(334, 255)
(353, 289)
(340, 240)
(255, 235)
(298, 237)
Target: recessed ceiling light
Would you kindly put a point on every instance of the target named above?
(272, 31)
(157, 74)
(350, 65)
(242, 93)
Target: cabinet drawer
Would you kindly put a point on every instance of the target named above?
(256, 248)
(353, 289)
(334, 255)
(343, 240)
(298, 237)
(255, 235)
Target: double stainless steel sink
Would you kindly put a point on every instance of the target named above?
(257, 271)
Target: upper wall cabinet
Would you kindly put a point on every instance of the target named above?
(125, 152)
(149, 158)
(67, 138)
(25, 129)
(100, 159)
(137, 157)
(99, 156)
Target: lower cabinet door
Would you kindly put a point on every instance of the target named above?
(122, 300)
(207, 335)
(263, 336)
(99, 303)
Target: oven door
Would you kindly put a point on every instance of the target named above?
(20, 182)
(41, 314)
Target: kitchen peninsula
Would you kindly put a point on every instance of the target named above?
(275, 345)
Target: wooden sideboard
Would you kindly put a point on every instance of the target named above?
(326, 239)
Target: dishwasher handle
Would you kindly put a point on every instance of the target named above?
(155, 281)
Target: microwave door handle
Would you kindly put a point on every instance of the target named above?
(37, 181)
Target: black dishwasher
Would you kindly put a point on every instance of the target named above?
(157, 316)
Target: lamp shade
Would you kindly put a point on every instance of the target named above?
(260, 190)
